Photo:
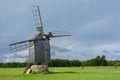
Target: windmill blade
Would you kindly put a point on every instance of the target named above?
(18, 46)
(21, 42)
(59, 34)
(38, 19)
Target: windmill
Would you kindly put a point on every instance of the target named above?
(39, 45)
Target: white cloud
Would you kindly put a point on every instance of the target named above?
(21, 56)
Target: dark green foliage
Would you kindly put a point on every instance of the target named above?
(103, 61)
(98, 61)
(64, 63)
(75, 63)
(12, 65)
(114, 63)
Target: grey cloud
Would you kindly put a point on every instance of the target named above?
(116, 51)
(105, 51)
(60, 49)
(55, 50)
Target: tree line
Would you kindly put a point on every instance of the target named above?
(64, 63)
(97, 61)
(12, 65)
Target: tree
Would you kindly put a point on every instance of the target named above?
(103, 61)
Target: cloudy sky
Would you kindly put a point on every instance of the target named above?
(94, 25)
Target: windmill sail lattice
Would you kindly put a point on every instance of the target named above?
(19, 46)
(38, 19)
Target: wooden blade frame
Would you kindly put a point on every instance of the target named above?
(59, 34)
(19, 46)
(38, 19)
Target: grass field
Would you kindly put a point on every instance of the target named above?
(61, 73)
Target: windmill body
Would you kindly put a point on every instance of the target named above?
(39, 50)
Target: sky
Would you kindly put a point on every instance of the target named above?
(94, 25)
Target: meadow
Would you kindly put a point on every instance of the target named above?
(63, 73)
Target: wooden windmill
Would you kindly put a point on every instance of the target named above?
(39, 45)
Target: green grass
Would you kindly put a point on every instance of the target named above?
(61, 73)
